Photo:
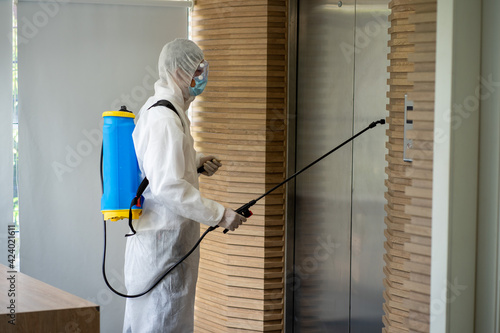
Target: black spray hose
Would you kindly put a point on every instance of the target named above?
(243, 210)
(159, 279)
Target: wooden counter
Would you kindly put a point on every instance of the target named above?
(40, 307)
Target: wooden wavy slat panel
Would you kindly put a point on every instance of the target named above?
(409, 195)
(397, 274)
(241, 119)
(420, 192)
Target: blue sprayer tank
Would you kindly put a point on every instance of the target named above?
(120, 170)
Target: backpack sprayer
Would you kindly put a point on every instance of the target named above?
(120, 179)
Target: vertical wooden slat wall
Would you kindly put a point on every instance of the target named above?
(396, 274)
(409, 185)
(241, 119)
(420, 191)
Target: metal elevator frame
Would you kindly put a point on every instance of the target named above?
(292, 96)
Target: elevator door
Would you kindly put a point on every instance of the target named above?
(339, 203)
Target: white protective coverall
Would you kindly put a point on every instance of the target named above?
(173, 206)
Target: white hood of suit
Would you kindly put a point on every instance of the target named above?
(178, 62)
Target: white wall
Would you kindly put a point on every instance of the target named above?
(487, 290)
(6, 171)
(76, 61)
(455, 174)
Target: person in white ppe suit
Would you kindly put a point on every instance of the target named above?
(173, 207)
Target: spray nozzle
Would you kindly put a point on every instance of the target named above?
(375, 123)
(123, 108)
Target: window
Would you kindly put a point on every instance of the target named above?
(15, 128)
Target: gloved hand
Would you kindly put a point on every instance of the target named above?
(231, 220)
(211, 165)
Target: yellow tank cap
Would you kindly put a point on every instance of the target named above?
(115, 215)
(118, 114)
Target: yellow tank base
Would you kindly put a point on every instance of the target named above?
(115, 215)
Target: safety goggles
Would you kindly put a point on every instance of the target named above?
(201, 72)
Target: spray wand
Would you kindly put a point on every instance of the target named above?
(243, 210)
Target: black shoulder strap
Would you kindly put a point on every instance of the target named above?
(136, 201)
(167, 104)
(145, 182)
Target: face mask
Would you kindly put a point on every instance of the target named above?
(200, 79)
(199, 86)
